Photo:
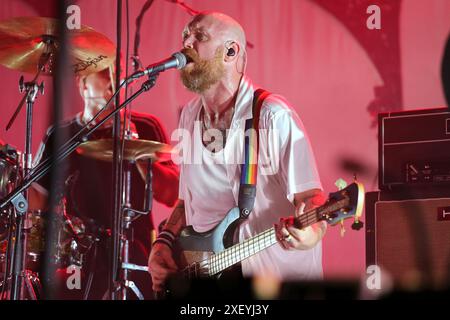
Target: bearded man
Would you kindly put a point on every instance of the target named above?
(215, 45)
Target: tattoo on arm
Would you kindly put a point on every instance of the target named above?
(177, 219)
(174, 218)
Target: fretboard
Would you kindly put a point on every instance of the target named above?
(253, 245)
(241, 251)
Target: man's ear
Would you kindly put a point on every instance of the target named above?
(81, 81)
(232, 51)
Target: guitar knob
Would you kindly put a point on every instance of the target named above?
(340, 184)
(357, 225)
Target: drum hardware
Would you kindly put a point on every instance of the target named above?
(17, 196)
(29, 44)
(32, 286)
(9, 176)
(40, 170)
(131, 266)
(17, 280)
(18, 255)
(133, 150)
(73, 241)
(128, 216)
(9, 169)
(15, 46)
(31, 90)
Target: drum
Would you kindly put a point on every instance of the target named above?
(73, 241)
(9, 169)
(9, 176)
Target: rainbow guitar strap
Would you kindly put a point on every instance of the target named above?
(249, 169)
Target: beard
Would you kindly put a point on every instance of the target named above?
(204, 73)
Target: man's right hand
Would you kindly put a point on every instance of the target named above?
(161, 265)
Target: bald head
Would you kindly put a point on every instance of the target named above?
(215, 46)
(219, 26)
(222, 26)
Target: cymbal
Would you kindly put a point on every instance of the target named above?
(102, 149)
(24, 40)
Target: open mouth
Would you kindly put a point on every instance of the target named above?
(189, 54)
(189, 65)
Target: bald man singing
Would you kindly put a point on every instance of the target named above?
(215, 120)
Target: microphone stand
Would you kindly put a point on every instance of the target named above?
(117, 171)
(128, 215)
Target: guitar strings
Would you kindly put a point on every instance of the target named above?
(238, 252)
(227, 258)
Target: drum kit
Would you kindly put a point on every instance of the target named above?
(31, 45)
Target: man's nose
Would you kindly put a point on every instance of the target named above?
(188, 42)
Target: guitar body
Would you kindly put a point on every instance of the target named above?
(194, 247)
(208, 254)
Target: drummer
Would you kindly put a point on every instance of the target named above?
(87, 182)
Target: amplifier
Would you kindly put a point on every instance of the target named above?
(427, 172)
(408, 235)
(414, 148)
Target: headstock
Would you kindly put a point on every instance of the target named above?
(344, 204)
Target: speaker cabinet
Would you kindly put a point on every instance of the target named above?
(408, 235)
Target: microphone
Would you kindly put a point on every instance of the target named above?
(177, 60)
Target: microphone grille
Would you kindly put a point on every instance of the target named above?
(181, 59)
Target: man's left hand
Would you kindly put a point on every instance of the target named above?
(291, 237)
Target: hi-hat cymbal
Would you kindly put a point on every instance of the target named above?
(24, 40)
(102, 149)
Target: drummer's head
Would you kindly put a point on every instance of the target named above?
(95, 88)
(215, 44)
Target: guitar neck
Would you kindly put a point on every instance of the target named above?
(255, 244)
(241, 251)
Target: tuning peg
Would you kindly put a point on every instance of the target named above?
(356, 225)
(340, 184)
(342, 228)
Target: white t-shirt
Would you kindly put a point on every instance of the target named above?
(286, 166)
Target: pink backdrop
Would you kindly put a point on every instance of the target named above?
(318, 54)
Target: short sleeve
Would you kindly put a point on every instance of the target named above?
(297, 165)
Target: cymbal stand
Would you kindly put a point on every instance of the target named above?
(128, 214)
(18, 256)
(20, 201)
